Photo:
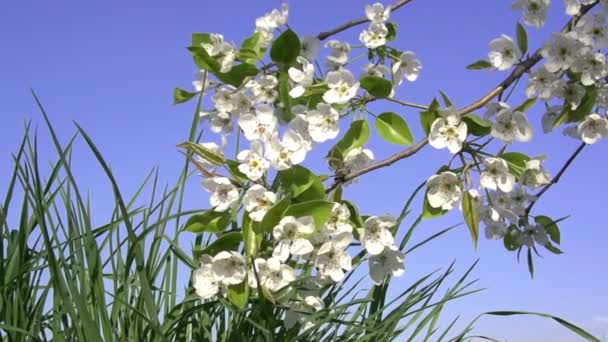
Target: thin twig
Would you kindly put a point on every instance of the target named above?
(519, 71)
(352, 23)
(557, 177)
(407, 103)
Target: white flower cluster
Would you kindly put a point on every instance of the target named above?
(277, 139)
(505, 198)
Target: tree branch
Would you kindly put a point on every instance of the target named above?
(557, 177)
(352, 23)
(519, 71)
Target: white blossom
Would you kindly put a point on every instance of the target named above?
(264, 89)
(494, 108)
(286, 152)
(534, 174)
(323, 123)
(374, 36)
(253, 164)
(592, 67)
(495, 230)
(272, 274)
(260, 126)
(342, 86)
(229, 267)
(408, 66)
(378, 70)
(257, 201)
(377, 13)
(497, 175)
(448, 131)
(375, 235)
(203, 280)
(301, 77)
(339, 220)
(593, 128)
(573, 7)
(222, 51)
(444, 190)
(291, 234)
(309, 47)
(543, 83)
(532, 234)
(592, 30)
(269, 22)
(299, 127)
(332, 259)
(339, 54)
(511, 126)
(223, 193)
(535, 11)
(503, 53)
(357, 158)
(390, 262)
(561, 51)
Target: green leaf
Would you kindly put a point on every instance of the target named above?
(210, 221)
(203, 152)
(516, 162)
(522, 38)
(477, 126)
(203, 60)
(530, 263)
(284, 96)
(479, 65)
(550, 226)
(320, 210)
(180, 95)
(470, 209)
(428, 212)
(393, 128)
(226, 242)
(274, 215)
(376, 86)
(297, 180)
(354, 214)
(429, 116)
(238, 74)
(553, 249)
(392, 28)
(239, 295)
(233, 168)
(584, 108)
(253, 49)
(252, 236)
(356, 136)
(201, 38)
(526, 105)
(510, 240)
(446, 99)
(285, 48)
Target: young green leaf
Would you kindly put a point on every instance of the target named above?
(285, 48)
(510, 240)
(429, 116)
(550, 227)
(226, 242)
(238, 74)
(253, 49)
(470, 209)
(479, 65)
(203, 60)
(393, 128)
(392, 28)
(239, 295)
(522, 38)
(203, 152)
(477, 126)
(274, 215)
(210, 221)
(318, 209)
(516, 162)
(287, 115)
(181, 95)
(356, 136)
(429, 212)
(376, 86)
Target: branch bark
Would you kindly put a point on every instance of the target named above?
(324, 35)
(518, 72)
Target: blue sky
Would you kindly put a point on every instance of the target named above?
(112, 66)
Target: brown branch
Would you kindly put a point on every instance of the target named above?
(519, 71)
(407, 103)
(352, 23)
(557, 177)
